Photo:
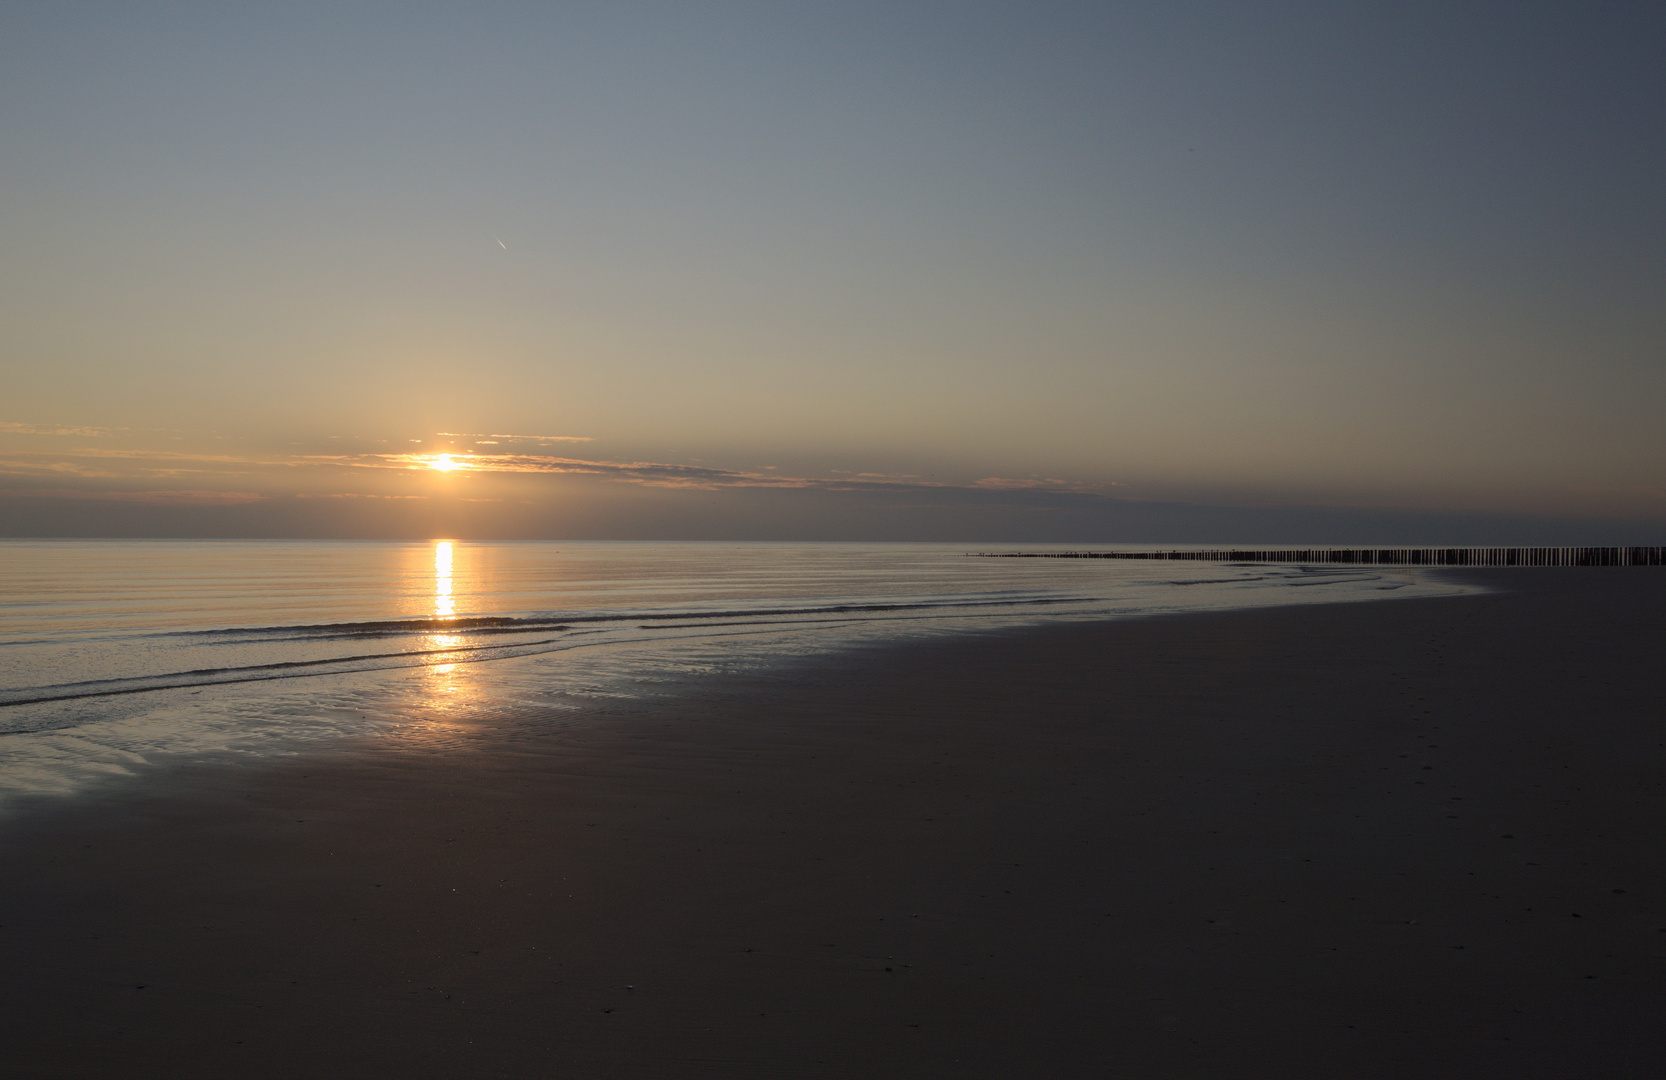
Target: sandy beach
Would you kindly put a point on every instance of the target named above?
(1398, 838)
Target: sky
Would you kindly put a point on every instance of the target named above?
(1167, 272)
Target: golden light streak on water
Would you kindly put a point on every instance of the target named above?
(445, 607)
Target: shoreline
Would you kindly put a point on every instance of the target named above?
(1268, 841)
(157, 723)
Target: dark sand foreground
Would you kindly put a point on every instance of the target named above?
(1394, 839)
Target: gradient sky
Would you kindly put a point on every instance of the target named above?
(1340, 272)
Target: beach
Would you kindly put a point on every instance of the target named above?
(1363, 839)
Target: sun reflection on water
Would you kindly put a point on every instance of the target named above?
(444, 641)
(446, 675)
(444, 606)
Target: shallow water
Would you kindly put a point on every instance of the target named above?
(115, 654)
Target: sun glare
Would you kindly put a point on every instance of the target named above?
(442, 462)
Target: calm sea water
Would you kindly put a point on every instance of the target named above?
(114, 655)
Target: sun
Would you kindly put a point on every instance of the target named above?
(443, 463)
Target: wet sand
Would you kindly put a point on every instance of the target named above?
(1388, 839)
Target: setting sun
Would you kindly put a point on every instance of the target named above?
(443, 463)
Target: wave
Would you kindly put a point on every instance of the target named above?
(174, 680)
(762, 619)
(523, 624)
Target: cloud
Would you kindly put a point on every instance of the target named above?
(665, 474)
(106, 463)
(11, 427)
(1050, 483)
(42, 465)
(133, 466)
(518, 438)
(355, 495)
(644, 472)
(155, 497)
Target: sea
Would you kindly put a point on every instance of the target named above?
(121, 657)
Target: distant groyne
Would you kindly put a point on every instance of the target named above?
(1406, 556)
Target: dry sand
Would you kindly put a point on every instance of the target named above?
(1391, 839)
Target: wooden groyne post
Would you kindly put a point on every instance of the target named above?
(1419, 556)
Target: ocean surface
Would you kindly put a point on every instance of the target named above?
(118, 655)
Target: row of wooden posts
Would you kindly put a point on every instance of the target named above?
(1451, 556)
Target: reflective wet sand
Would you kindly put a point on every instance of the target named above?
(1351, 840)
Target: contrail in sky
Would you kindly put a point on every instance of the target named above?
(501, 244)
